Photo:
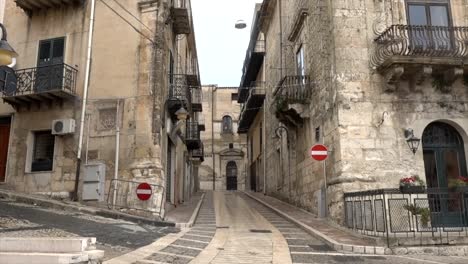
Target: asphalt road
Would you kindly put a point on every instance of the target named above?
(116, 237)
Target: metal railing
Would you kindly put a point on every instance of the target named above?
(422, 41)
(199, 152)
(178, 87)
(294, 89)
(58, 77)
(196, 95)
(123, 195)
(192, 131)
(428, 216)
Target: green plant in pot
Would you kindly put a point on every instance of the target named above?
(424, 213)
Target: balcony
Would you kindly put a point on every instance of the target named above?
(193, 74)
(250, 108)
(201, 123)
(198, 155)
(434, 216)
(179, 92)
(290, 98)
(42, 84)
(196, 97)
(181, 23)
(418, 52)
(29, 6)
(252, 64)
(192, 135)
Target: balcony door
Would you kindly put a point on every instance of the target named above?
(49, 75)
(429, 26)
(444, 162)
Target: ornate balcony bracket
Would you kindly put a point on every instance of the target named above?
(392, 78)
(420, 76)
(451, 75)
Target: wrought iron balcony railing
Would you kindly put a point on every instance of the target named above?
(59, 78)
(181, 17)
(199, 152)
(192, 135)
(420, 41)
(196, 97)
(294, 89)
(179, 88)
(432, 216)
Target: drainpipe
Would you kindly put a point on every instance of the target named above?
(212, 136)
(117, 152)
(280, 3)
(85, 97)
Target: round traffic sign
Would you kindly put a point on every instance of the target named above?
(144, 191)
(319, 152)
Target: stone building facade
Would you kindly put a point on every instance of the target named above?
(225, 149)
(364, 78)
(140, 75)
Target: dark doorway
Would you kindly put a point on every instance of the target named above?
(5, 124)
(50, 68)
(231, 176)
(253, 177)
(444, 162)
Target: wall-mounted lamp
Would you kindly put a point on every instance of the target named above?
(412, 141)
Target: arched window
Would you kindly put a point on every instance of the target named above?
(227, 124)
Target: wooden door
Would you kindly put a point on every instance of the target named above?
(4, 139)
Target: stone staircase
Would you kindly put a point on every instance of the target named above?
(49, 250)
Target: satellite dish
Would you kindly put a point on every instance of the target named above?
(240, 24)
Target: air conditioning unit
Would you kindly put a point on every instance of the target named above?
(63, 126)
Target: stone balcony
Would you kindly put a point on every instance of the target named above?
(29, 6)
(405, 52)
(291, 97)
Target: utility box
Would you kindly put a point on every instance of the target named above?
(94, 181)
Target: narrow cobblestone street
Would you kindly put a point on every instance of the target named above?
(248, 232)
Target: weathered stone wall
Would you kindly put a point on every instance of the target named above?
(360, 121)
(126, 68)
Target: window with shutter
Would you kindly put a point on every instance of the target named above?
(227, 124)
(43, 152)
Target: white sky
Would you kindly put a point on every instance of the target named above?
(221, 47)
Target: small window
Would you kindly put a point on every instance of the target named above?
(317, 134)
(234, 96)
(43, 151)
(227, 124)
(231, 146)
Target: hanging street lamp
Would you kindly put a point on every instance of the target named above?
(7, 53)
(412, 141)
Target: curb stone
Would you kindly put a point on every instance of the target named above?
(43, 202)
(461, 250)
(324, 238)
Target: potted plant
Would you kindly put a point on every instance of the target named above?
(460, 183)
(424, 213)
(412, 184)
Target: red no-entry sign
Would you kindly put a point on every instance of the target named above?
(319, 152)
(144, 191)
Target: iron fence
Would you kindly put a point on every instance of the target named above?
(425, 41)
(294, 89)
(430, 216)
(192, 131)
(58, 77)
(196, 95)
(178, 87)
(123, 195)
